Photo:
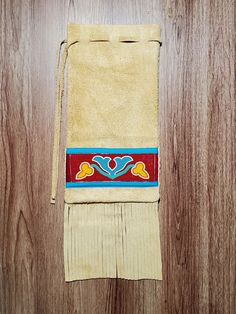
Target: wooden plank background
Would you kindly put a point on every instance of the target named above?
(198, 188)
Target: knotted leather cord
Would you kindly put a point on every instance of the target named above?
(59, 75)
(60, 69)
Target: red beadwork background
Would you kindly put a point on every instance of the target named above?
(73, 162)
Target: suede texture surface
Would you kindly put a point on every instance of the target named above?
(112, 97)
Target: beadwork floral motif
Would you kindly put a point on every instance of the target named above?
(111, 167)
(122, 166)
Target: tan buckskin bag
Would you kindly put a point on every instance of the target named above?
(111, 226)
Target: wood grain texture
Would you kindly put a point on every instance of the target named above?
(198, 188)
